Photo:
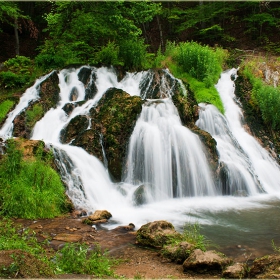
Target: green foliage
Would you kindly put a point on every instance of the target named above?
(11, 80)
(29, 188)
(201, 62)
(192, 235)
(195, 65)
(275, 248)
(5, 107)
(266, 98)
(49, 61)
(33, 115)
(18, 73)
(109, 54)
(14, 237)
(79, 259)
(133, 53)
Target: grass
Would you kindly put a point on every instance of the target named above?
(5, 107)
(30, 188)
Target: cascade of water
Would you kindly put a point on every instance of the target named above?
(250, 168)
(166, 157)
(31, 94)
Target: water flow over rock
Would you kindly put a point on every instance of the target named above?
(246, 167)
(166, 157)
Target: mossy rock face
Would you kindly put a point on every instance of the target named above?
(266, 267)
(210, 145)
(76, 126)
(178, 252)
(156, 234)
(186, 106)
(114, 118)
(49, 92)
(112, 123)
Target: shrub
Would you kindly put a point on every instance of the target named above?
(49, 61)
(108, 55)
(19, 65)
(133, 54)
(11, 80)
(266, 98)
(29, 188)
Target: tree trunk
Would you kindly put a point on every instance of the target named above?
(161, 45)
(16, 36)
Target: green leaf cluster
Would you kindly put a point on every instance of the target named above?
(266, 98)
(18, 72)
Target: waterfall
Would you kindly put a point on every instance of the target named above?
(246, 167)
(166, 157)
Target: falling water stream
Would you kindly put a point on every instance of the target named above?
(167, 163)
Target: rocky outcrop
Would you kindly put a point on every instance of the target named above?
(111, 124)
(156, 234)
(235, 271)
(266, 267)
(177, 252)
(206, 262)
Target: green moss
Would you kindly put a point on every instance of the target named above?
(5, 107)
(34, 114)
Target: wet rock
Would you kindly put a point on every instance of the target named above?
(100, 215)
(74, 94)
(139, 195)
(75, 127)
(205, 262)
(235, 271)
(84, 75)
(266, 267)
(177, 252)
(156, 234)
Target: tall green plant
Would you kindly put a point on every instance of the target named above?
(29, 188)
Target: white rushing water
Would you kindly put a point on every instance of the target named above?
(165, 160)
(249, 167)
(166, 157)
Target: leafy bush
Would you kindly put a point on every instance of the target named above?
(19, 72)
(77, 258)
(5, 108)
(108, 55)
(201, 62)
(266, 98)
(29, 188)
(11, 80)
(49, 61)
(133, 54)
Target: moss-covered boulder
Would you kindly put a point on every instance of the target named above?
(156, 234)
(112, 123)
(266, 267)
(206, 262)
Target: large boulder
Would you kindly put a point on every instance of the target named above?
(206, 262)
(112, 123)
(177, 252)
(156, 234)
(98, 217)
(266, 267)
(236, 271)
